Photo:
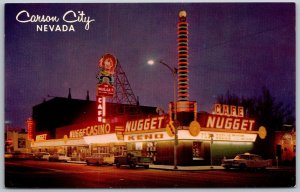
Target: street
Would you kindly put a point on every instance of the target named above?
(43, 174)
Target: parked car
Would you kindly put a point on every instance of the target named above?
(41, 156)
(22, 155)
(59, 157)
(132, 161)
(246, 160)
(100, 159)
(8, 155)
(45, 156)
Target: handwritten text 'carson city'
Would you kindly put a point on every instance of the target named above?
(52, 25)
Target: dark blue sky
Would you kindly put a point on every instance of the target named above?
(236, 47)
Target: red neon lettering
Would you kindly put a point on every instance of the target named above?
(236, 124)
(251, 123)
(218, 109)
(153, 123)
(140, 125)
(147, 124)
(211, 121)
(226, 110)
(240, 111)
(220, 122)
(223, 122)
(233, 110)
(228, 123)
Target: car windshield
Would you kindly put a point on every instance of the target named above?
(241, 157)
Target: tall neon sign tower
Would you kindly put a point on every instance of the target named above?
(182, 32)
(186, 110)
(105, 86)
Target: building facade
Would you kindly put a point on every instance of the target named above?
(210, 137)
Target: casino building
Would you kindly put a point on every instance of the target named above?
(69, 126)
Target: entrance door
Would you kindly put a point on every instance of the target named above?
(278, 152)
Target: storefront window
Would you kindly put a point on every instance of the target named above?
(103, 149)
(120, 150)
(21, 143)
(197, 151)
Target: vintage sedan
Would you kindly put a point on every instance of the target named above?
(59, 157)
(100, 159)
(246, 161)
(41, 156)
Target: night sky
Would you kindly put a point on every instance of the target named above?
(232, 47)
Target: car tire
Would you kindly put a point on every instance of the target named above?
(118, 165)
(87, 163)
(132, 165)
(146, 166)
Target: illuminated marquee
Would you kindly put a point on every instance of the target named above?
(233, 123)
(218, 136)
(146, 124)
(227, 117)
(41, 137)
(91, 130)
(156, 136)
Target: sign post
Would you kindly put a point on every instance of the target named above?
(211, 142)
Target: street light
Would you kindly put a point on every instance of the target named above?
(174, 74)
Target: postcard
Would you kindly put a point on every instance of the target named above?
(150, 95)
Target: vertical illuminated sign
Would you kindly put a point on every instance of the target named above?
(182, 48)
(101, 109)
(105, 85)
(29, 123)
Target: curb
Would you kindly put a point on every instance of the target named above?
(180, 168)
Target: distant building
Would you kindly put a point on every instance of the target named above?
(285, 146)
(16, 141)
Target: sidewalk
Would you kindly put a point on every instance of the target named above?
(171, 167)
(186, 168)
(191, 168)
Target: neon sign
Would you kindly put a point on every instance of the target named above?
(228, 110)
(107, 64)
(30, 125)
(147, 124)
(182, 57)
(41, 137)
(233, 123)
(91, 130)
(218, 136)
(101, 109)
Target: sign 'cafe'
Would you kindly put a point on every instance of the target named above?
(226, 126)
